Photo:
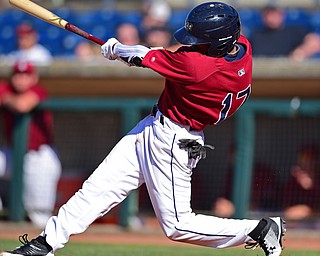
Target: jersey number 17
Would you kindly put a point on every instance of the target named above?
(228, 102)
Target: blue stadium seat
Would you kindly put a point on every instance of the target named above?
(38, 24)
(2, 17)
(109, 19)
(9, 20)
(14, 17)
(64, 12)
(69, 42)
(7, 38)
(94, 17)
(95, 20)
(177, 19)
(51, 37)
(250, 20)
(315, 21)
(297, 16)
(106, 15)
(133, 17)
(102, 32)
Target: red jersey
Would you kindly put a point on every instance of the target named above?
(201, 90)
(41, 124)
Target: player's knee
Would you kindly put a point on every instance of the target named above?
(176, 231)
(174, 234)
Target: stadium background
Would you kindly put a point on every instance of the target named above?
(277, 138)
(101, 18)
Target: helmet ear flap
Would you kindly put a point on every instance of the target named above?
(218, 49)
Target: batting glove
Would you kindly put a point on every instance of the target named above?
(108, 49)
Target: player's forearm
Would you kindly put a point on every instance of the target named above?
(131, 55)
(20, 103)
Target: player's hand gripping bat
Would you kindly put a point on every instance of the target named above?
(46, 15)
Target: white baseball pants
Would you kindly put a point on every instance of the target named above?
(41, 173)
(150, 154)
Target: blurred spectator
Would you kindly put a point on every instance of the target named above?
(22, 93)
(86, 51)
(156, 13)
(275, 38)
(4, 4)
(128, 34)
(302, 189)
(29, 48)
(309, 49)
(158, 37)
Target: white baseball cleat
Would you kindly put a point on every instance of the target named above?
(268, 235)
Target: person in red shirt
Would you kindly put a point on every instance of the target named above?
(302, 188)
(21, 94)
(206, 81)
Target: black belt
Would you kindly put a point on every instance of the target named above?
(154, 111)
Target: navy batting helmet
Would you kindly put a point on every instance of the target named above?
(214, 23)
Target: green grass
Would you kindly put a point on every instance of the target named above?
(91, 249)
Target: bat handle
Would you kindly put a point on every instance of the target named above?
(83, 33)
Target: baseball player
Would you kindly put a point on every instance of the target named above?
(207, 80)
(22, 93)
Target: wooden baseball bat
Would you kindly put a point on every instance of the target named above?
(47, 16)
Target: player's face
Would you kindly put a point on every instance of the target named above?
(27, 41)
(23, 81)
(273, 19)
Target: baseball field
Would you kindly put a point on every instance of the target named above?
(95, 249)
(105, 239)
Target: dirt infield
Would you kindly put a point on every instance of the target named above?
(150, 234)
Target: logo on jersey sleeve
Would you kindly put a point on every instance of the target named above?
(241, 72)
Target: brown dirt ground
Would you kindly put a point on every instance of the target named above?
(149, 234)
